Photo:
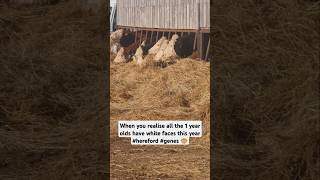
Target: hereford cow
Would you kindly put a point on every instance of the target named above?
(169, 52)
(159, 56)
(156, 47)
(120, 58)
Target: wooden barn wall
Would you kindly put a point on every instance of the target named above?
(169, 14)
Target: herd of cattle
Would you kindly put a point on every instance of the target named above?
(125, 47)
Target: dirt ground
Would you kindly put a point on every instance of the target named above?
(179, 91)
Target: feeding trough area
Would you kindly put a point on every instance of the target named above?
(185, 25)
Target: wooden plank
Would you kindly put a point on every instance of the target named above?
(147, 32)
(140, 37)
(157, 36)
(195, 40)
(201, 45)
(208, 48)
(135, 37)
(151, 37)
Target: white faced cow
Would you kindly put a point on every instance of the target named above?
(169, 52)
(159, 56)
(154, 50)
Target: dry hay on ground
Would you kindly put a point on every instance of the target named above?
(180, 91)
(177, 91)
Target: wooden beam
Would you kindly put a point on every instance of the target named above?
(157, 36)
(208, 48)
(140, 37)
(200, 45)
(151, 37)
(146, 40)
(199, 42)
(204, 30)
(135, 37)
(195, 41)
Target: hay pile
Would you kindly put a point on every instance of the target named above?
(179, 91)
(266, 90)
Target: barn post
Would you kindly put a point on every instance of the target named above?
(195, 40)
(199, 48)
(201, 45)
(140, 36)
(208, 48)
(151, 37)
(136, 36)
(157, 36)
(146, 40)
